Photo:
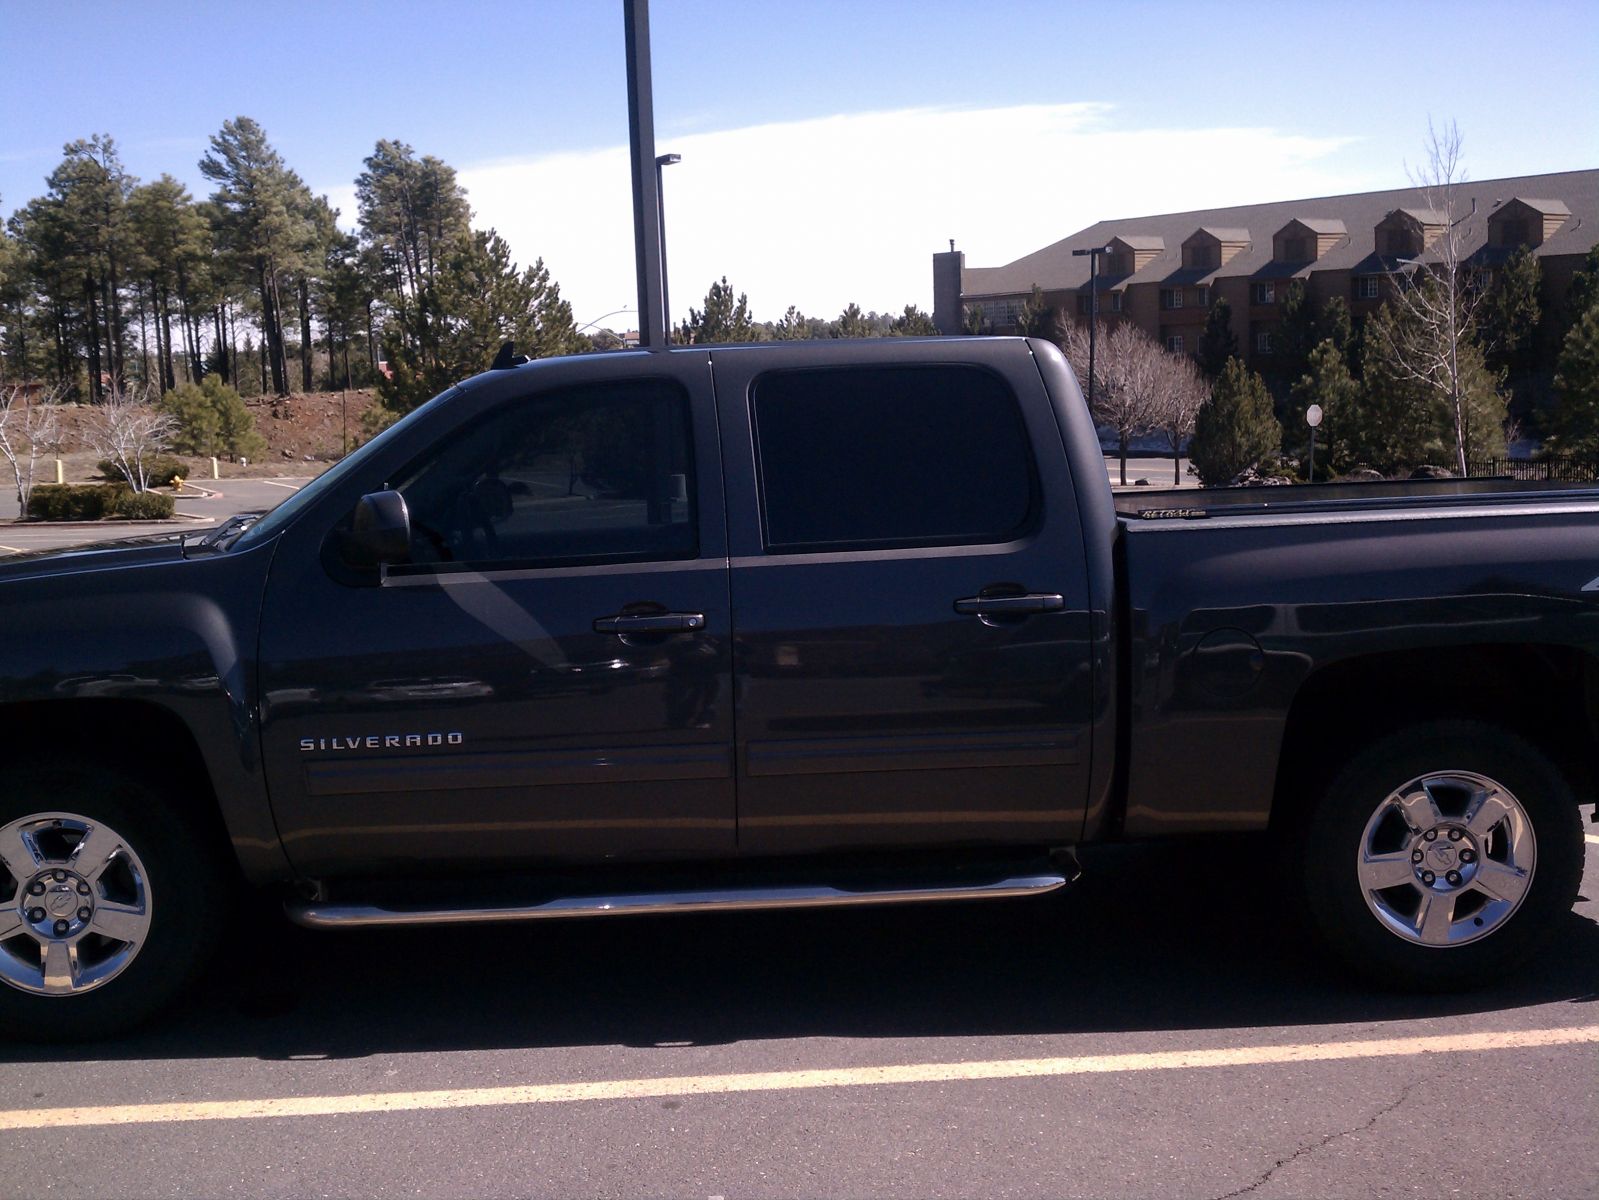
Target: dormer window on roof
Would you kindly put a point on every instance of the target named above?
(1209, 248)
(1131, 253)
(1306, 239)
(1407, 232)
(1526, 222)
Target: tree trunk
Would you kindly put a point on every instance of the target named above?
(371, 344)
(1121, 448)
(94, 340)
(223, 363)
(114, 311)
(271, 335)
(305, 336)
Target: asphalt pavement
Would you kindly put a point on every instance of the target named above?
(1159, 1029)
(198, 507)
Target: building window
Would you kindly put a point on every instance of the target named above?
(1265, 293)
(1203, 295)
(1368, 287)
(1513, 233)
(1115, 299)
(1174, 343)
(1171, 298)
(1263, 342)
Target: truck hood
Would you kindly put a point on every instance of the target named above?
(98, 556)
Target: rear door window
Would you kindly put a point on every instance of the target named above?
(859, 459)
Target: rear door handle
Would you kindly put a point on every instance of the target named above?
(671, 622)
(1011, 606)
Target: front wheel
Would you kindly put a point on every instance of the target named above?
(1442, 855)
(109, 903)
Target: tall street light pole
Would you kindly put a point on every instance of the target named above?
(1093, 253)
(646, 175)
(664, 160)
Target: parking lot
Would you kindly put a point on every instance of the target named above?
(1160, 1029)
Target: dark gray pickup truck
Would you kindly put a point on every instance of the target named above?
(785, 625)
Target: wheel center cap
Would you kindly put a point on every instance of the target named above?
(61, 901)
(1444, 855)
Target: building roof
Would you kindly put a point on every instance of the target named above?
(1320, 224)
(1553, 208)
(1053, 268)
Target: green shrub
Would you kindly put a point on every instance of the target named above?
(212, 419)
(75, 501)
(145, 506)
(159, 471)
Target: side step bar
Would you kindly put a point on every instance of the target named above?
(315, 914)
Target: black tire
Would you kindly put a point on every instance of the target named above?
(181, 871)
(1470, 933)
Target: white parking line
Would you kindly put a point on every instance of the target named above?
(1587, 837)
(775, 1081)
(13, 549)
(293, 487)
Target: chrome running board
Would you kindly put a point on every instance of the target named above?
(315, 914)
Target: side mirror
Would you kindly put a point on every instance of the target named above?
(380, 532)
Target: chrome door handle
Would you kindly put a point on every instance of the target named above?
(1010, 606)
(672, 622)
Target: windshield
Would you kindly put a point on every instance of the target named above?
(278, 518)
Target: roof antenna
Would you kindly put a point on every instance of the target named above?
(507, 358)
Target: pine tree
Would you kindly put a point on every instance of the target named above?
(913, 322)
(1508, 318)
(263, 211)
(1237, 429)
(1217, 343)
(793, 326)
(1577, 387)
(1328, 383)
(479, 301)
(852, 323)
(723, 319)
(1037, 318)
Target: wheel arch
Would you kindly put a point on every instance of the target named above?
(1547, 694)
(139, 739)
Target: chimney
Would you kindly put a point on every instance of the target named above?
(947, 270)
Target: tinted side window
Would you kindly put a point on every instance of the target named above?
(906, 456)
(592, 474)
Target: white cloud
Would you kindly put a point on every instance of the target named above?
(821, 212)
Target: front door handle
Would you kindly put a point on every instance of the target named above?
(1010, 606)
(669, 622)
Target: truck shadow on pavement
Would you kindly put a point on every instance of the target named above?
(1167, 938)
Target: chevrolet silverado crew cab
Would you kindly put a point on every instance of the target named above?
(784, 625)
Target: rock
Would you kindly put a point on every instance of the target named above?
(1362, 475)
(1431, 472)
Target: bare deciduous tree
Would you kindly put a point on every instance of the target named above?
(127, 430)
(1181, 391)
(1131, 373)
(1434, 302)
(29, 426)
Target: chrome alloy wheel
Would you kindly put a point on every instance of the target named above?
(1446, 859)
(74, 904)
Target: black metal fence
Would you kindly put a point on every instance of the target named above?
(1564, 468)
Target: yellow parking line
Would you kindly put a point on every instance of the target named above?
(1589, 837)
(13, 549)
(776, 1081)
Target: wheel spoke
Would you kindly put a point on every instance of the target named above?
(1487, 808)
(1434, 918)
(1501, 881)
(11, 923)
(93, 854)
(1380, 871)
(60, 966)
(1420, 809)
(120, 922)
(18, 854)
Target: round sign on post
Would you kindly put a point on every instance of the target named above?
(1313, 419)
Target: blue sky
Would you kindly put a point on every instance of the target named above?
(829, 147)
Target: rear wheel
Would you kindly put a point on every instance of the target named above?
(1442, 855)
(109, 903)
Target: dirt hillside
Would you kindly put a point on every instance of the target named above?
(304, 432)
